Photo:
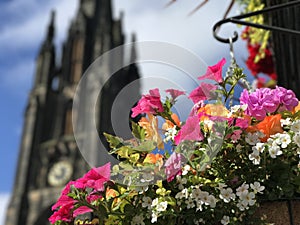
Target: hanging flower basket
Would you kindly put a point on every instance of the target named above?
(217, 167)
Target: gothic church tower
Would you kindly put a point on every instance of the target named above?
(49, 156)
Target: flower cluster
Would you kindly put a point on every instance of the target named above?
(260, 60)
(214, 168)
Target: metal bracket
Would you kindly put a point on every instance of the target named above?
(237, 20)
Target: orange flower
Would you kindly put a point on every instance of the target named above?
(269, 126)
(154, 158)
(214, 110)
(297, 108)
(151, 127)
(168, 124)
(111, 193)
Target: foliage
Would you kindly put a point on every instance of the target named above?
(221, 165)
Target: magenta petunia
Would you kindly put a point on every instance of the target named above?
(81, 210)
(286, 98)
(63, 201)
(175, 93)
(97, 177)
(149, 103)
(63, 214)
(214, 72)
(173, 166)
(260, 102)
(203, 92)
(189, 131)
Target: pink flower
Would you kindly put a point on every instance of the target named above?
(81, 210)
(63, 214)
(243, 123)
(64, 199)
(203, 92)
(236, 135)
(189, 131)
(148, 104)
(175, 93)
(214, 72)
(173, 166)
(96, 177)
(260, 102)
(286, 98)
(93, 197)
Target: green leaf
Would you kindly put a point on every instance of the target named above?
(114, 142)
(138, 131)
(145, 146)
(134, 158)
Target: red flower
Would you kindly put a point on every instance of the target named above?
(264, 65)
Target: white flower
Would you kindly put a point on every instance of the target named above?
(162, 206)
(248, 198)
(296, 126)
(237, 108)
(253, 138)
(274, 151)
(296, 138)
(138, 220)
(190, 203)
(199, 221)
(227, 195)
(170, 134)
(196, 194)
(154, 217)
(257, 188)
(282, 139)
(154, 202)
(183, 194)
(212, 201)
(204, 197)
(199, 205)
(255, 157)
(221, 186)
(286, 122)
(241, 206)
(186, 169)
(181, 182)
(225, 220)
(242, 189)
(147, 202)
(260, 147)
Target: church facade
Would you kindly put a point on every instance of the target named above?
(49, 156)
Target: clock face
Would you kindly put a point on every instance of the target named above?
(60, 173)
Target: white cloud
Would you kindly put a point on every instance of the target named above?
(4, 199)
(26, 36)
(30, 32)
(151, 21)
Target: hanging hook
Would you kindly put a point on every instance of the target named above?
(237, 20)
(216, 28)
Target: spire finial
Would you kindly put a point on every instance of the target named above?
(51, 27)
(133, 56)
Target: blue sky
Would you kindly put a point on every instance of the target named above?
(22, 28)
